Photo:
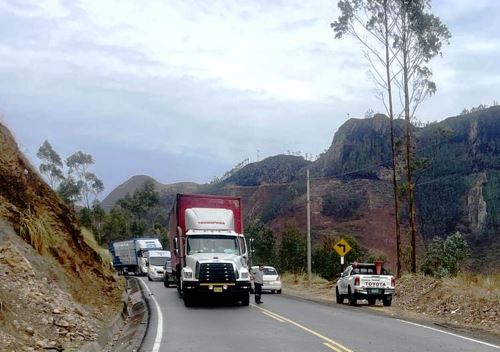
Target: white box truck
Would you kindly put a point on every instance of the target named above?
(129, 256)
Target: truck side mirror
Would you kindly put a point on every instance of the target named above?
(340, 275)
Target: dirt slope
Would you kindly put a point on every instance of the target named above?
(55, 290)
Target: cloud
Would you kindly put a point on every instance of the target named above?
(201, 87)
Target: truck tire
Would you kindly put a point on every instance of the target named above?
(166, 283)
(279, 292)
(189, 299)
(149, 279)
(371, 301)
(387, 301)
(352, 299)
(338, 297)
(245, 299)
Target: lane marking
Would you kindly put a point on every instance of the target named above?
(330, 341)
(450, 333)
(272, 316)
(159, 327)
(332, 347)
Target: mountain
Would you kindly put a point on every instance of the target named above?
(135, 183)
(359, 148)
(458, 185)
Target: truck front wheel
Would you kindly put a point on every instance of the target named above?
(189, 299)
(245, 299)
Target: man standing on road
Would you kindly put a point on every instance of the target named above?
(258, 282)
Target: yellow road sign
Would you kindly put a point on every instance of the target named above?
(342, 247)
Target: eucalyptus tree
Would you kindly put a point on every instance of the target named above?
(418, 37)
(78, 164)
(400, 37)
(372, 23)
(52, 164)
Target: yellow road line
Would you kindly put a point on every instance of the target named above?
(330, 341)
(331, 346)
(272, 316)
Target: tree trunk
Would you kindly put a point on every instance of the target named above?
(411, 197)
(393, 147)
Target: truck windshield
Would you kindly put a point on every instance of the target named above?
(158, 261)
(212, 244)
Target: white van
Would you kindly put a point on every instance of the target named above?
(155, 261)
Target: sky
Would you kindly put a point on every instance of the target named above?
(183, 90)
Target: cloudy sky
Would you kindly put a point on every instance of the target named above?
(185, 89)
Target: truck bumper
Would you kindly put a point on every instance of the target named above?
(364, 293)
(216, 288)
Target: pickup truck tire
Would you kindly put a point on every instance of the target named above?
(387, 301)
(339, 298)
(371, 301)
(166, 283)
(278, 292)
(352, 300)
(149, 279)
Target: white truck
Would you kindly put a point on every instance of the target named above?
(209, 254)
(155, 262)
(365, 281)
(130, 255)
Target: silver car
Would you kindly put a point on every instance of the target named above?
(272, 281)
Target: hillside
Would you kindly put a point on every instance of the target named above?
(458, 187)
(56, 291)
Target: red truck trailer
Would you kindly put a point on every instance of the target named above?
(209, 253)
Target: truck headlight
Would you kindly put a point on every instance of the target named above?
(188, 273)
(244, 273)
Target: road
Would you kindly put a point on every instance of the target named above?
(285, 323)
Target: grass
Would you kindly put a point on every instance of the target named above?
(300, 279)
(36, 230)
(488, 282)
(89, 238)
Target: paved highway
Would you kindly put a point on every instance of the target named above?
(284, 323)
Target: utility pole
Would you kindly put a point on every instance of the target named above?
(308, 232)
(251, 252)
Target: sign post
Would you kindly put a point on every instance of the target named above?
(342, 248)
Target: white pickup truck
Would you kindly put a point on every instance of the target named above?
(361, 281)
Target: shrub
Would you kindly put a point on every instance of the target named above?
(444, 256)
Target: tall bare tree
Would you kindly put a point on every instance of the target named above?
(399, 37)
(372, 23)
(418, 37)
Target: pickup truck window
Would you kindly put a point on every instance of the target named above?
(363, 271)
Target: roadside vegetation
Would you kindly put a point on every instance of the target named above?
(465, 301)
(135, 215)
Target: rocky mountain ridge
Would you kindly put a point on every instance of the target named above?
(458, 184)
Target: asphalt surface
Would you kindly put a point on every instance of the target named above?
(289, 324)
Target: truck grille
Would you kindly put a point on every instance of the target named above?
(216, 272)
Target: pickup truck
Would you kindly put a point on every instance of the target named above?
(365, 281)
